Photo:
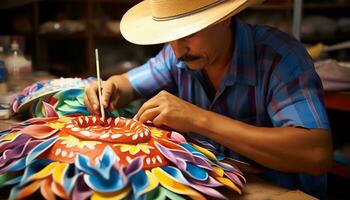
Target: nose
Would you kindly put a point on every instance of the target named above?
(179, 47)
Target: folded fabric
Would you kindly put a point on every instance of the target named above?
(334, 75)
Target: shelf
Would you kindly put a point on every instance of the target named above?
(283, 6)
(340, 170)
(326, 6)
(320, 38)
(337, 100)
(62, 36)
(108, 35)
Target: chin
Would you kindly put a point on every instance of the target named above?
(195, 65)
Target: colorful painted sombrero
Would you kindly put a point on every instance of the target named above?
(25, 100)
(86, 157)
(67, 153)
(59, 98)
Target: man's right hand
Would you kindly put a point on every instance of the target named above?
(110, 96)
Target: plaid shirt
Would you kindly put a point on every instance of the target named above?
(271, 82)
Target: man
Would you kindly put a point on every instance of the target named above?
(252, 91)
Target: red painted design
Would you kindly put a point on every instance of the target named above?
(89, 135)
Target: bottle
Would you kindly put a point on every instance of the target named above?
(19, 69)
(3, 72)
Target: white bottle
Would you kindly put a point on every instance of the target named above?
(19, 69)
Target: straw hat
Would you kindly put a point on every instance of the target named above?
(160, 21)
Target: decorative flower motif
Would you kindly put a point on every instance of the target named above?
(134, 149)
(156, 133)
(71, 141)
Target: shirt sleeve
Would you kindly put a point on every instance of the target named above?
(155, 75)
(296, 98)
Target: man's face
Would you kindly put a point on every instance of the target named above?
(203, 48)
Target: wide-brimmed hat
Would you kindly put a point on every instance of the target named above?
(161, 21)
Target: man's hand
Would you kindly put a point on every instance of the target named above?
(110, 96)
(165, 109)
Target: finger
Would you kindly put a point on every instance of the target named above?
(89, 106)
(149, 114)
(108, 90)
(152, 103)
(90, 97)
(158, 121)
(114, 101)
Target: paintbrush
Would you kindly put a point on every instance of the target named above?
(99, 85)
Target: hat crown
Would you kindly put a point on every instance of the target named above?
(169, 9)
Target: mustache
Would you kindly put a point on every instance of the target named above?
(188, 57)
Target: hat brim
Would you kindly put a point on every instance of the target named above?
(138, 27)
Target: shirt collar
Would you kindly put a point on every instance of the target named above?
(243, 67)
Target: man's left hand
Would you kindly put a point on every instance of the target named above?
(165, 109)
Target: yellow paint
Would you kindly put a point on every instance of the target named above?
(218, 171)
(175, 186)
(228, 183)
(111, 196)
(10, 136)
(153, 182)
(44, 172)
(57, 174)
(204, 151)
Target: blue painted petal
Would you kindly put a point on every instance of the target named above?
(219, 156)
(42, 147)
(196, 172)
(14, 166)
(105, 165)
(103, 177)
(14, 191)
(98, 183)
(5, 132)
(175, 174)
(83, 164)
(191, 149)
(139, 182)
(33, 168)
(70, 176)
